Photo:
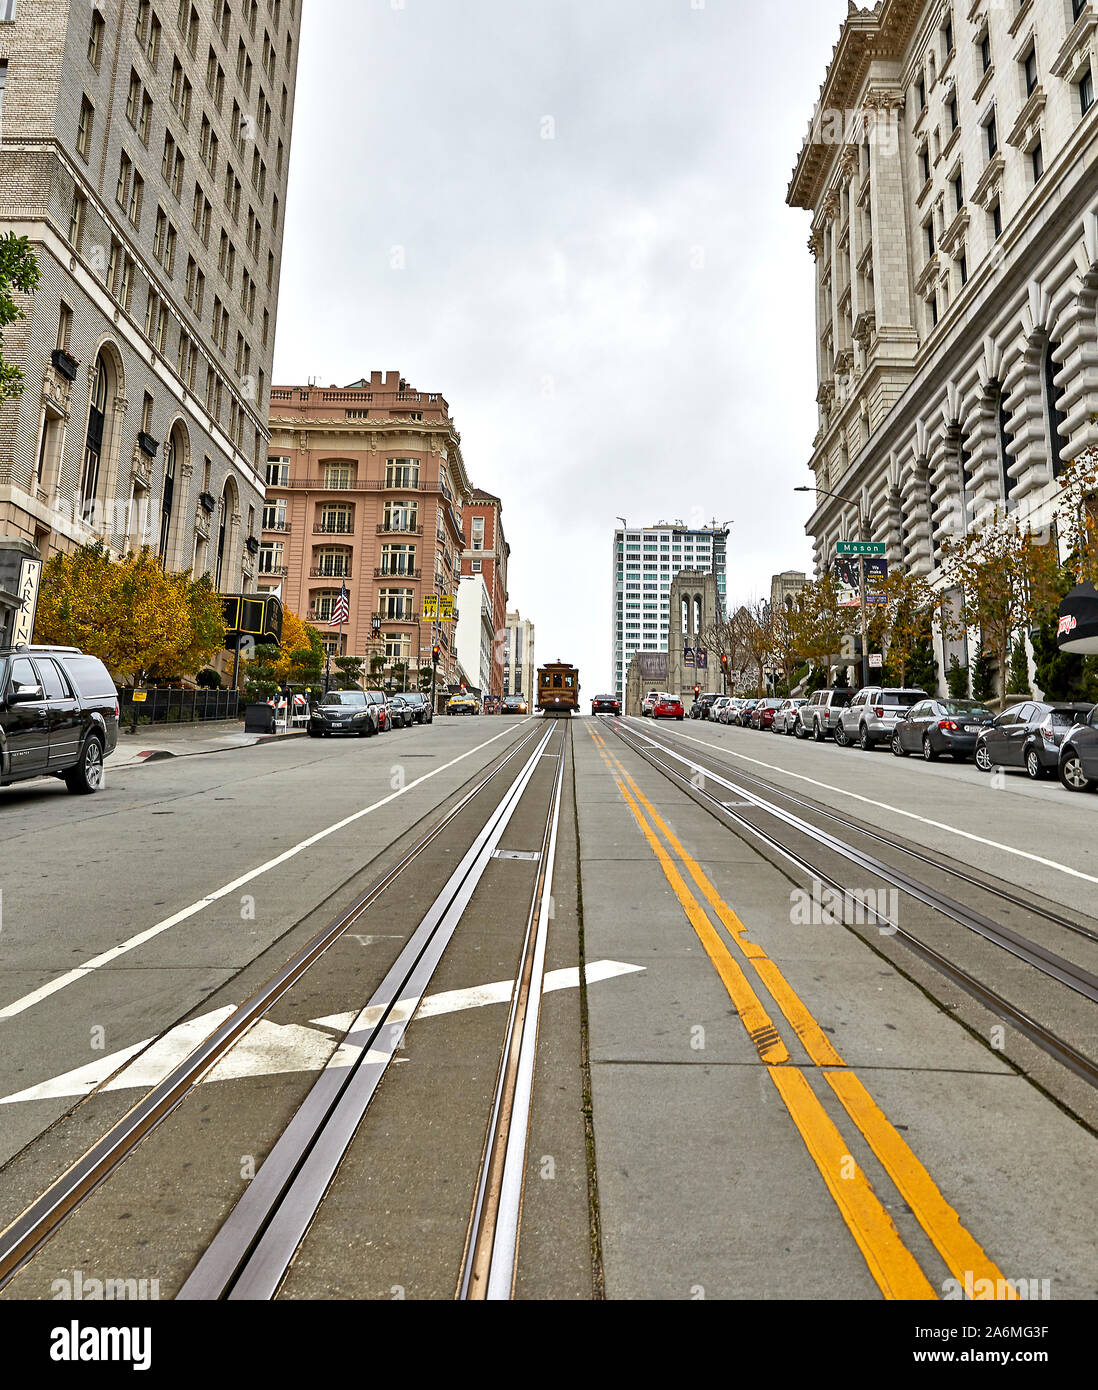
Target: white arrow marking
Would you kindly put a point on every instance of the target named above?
(268, 1049)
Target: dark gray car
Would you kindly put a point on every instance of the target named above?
(1029, 736)
(344, 712)
(421, 707)
(934, 727)
(1079, 756)
(58, 716)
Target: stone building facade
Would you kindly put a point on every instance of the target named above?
(366, 487)
(144, 152)
(949, 174)
(487, 555)
(694, 609)
(519, 671)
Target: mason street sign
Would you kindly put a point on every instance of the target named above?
(860, 548)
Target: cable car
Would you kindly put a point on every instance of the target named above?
(558, 688)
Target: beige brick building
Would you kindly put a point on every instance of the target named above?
(519, 671)
(144, 151)
(949, 173)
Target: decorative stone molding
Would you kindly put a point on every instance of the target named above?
(1027, 128)
(988, 184)
(57, 392)
(865, 329)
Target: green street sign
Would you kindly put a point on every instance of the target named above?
(860, 548)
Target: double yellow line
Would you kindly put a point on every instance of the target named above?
(892, 1265)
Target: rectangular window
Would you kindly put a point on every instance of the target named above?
(76, 219)
(95, 40)
(401, 473)
(121, 192)
(1037, 162)
(84, 128)
(1086, 91)
(1029, 70)
(991, 132)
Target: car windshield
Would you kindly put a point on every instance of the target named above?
(903, 698)
(345, 697)
(964, 707)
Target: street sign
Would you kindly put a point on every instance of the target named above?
(430, 606)
(140, 696)
(445, 608)
(860, 548)
(688, 656)
(876, 660)
(30, 574)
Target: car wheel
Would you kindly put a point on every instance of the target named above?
(897, 747)
(840, 736)
(313, 733)
(1073, 777)
(865, 743)
(1034, 766)
(817, 732)
(983, 759)
(928, 750)
(87, 776)
(798, 728)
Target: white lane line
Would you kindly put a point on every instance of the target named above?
(881, 805)
(80, 971)
(268, 1049)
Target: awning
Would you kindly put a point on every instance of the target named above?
(1078, 629)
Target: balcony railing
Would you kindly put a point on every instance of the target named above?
(282, 527)
(384, 573)
(387, 528)
(273, 571)
(328, 528)
(322, 572)
(361, 485)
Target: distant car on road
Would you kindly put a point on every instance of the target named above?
(58, 716)
(1078, 766)
(718, 708)
(462, 704)
(515, 704)
(934, 727)
(606, 704)
(1029, 736)
(742, 716)
(762, 716)
(730, 712)
(668, 707)
(649, 701)
(344, 712)
(420, 704)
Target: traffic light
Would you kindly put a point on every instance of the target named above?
(463, 687)
(724, 663)
(436, 652)
(697, 691)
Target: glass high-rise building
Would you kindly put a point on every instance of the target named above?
(646, 559)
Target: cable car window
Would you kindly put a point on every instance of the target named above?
(569, 682)
(557, 681)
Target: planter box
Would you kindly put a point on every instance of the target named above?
(65, 364)
(208, 502)
(147, 444)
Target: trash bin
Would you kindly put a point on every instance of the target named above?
(259, 719)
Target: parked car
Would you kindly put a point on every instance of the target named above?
(871, 715)
(648, 703)
(1078, 765)
(934, 727)
(606, 704)
(58, 716)
(742, 717)
(705, 705)
(344, 712)
(786, 716)
(515, 704)
(420, 704)
(818, 718)
(730, 714)
(668, 707)
(718, 708)
(1029, 736)
(762, 716)
(381, 701)
(462, 704)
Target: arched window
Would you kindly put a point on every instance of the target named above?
(685, 606)
(697, 614)
(1006, 446)
(222, 529)
(93, 443)
(1054, 415)
(171, 461)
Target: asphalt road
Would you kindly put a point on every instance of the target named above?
(739, 1104)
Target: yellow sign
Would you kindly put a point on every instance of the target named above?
(139, 696)
(430, 606)
(446, 608)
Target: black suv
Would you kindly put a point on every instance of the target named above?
(421, 707)
(58, 716)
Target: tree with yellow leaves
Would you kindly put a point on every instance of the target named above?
(139, 621)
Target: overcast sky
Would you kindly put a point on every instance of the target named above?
(599, 270)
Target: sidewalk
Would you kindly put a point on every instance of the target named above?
(153, 742)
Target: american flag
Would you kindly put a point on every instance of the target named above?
(341, 611)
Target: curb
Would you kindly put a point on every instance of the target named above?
(156, 755)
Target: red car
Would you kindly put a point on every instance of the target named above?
(668, 707)
(762, 716)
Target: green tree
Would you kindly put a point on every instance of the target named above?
(957, 679)
(350, 669)
(1018, 675)
(983, 680)
(19, 274)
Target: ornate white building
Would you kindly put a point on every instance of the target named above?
(951, 170)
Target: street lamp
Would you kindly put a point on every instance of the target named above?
(853, 502)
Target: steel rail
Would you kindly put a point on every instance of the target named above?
(249, 1256)
(952, 870)
(1050, 1042)
(29, 1231)
(491, 1251)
